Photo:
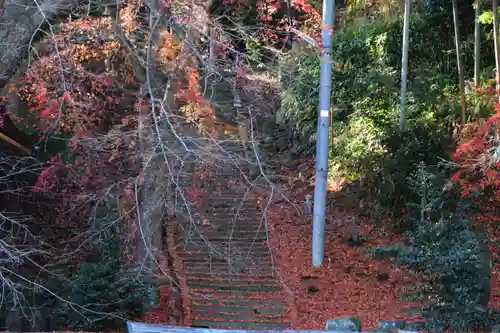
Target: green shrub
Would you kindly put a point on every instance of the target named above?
(422, 142)
(366, 78)
(366, 85)
(106, 293)
(253, 51)
(454, 261)
(300, 95)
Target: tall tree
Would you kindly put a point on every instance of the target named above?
(477, 41)
(497, 50)
(460, 63)
(404, 66)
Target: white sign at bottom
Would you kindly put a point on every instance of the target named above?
(324, 113)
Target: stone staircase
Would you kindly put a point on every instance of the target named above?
(227, 265)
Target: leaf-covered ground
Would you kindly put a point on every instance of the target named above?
(349, 282)
(490, 222)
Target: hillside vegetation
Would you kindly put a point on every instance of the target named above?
(105, 105)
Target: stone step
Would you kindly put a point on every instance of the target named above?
(224, 255)
(224, 238)
(225, 219)
(209, 249)
(215, 251)
(244, 217)
(230, 206)
(229, 259)
(260, 236)
(212, 239)
(225, 202)
(233, 283)
(225, 252)
(233, 277)
(202, 285)
(258, 310)
(220, 266)
(235, 302)
(200, 315)
(238, 227)
(226, 243)
(242, 325)
(238, 265)
(228, 201)
(233, 261)
(241, 244)
(238, 259)
(238, 295)
(248, 271)
(224, 195)
(204, 247)
(218, 220)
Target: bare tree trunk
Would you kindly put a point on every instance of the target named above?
(151, 198)
(212, 47)
(477, 45)
(497, 50)
(460, 64)
(404, 67)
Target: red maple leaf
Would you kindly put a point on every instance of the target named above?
(193, 193)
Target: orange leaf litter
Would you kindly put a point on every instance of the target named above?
(346, 283)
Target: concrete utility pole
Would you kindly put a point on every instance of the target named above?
(404, 67)
(477, 45)
(325, 90)
(460, 61)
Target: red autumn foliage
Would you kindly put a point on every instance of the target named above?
(478, 159)
(67, 91)
(276, 18)
(477, 173)
(193, 195)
